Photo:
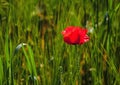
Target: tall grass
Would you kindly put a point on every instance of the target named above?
(46, 59)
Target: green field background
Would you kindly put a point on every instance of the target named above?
(32, 50)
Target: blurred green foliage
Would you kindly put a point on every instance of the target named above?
(48, 60)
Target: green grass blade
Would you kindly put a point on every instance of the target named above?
(1, 71)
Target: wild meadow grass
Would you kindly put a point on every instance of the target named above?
(32, 50)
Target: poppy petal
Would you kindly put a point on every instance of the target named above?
(75, 35)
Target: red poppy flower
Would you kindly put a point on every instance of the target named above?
(75, 35)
